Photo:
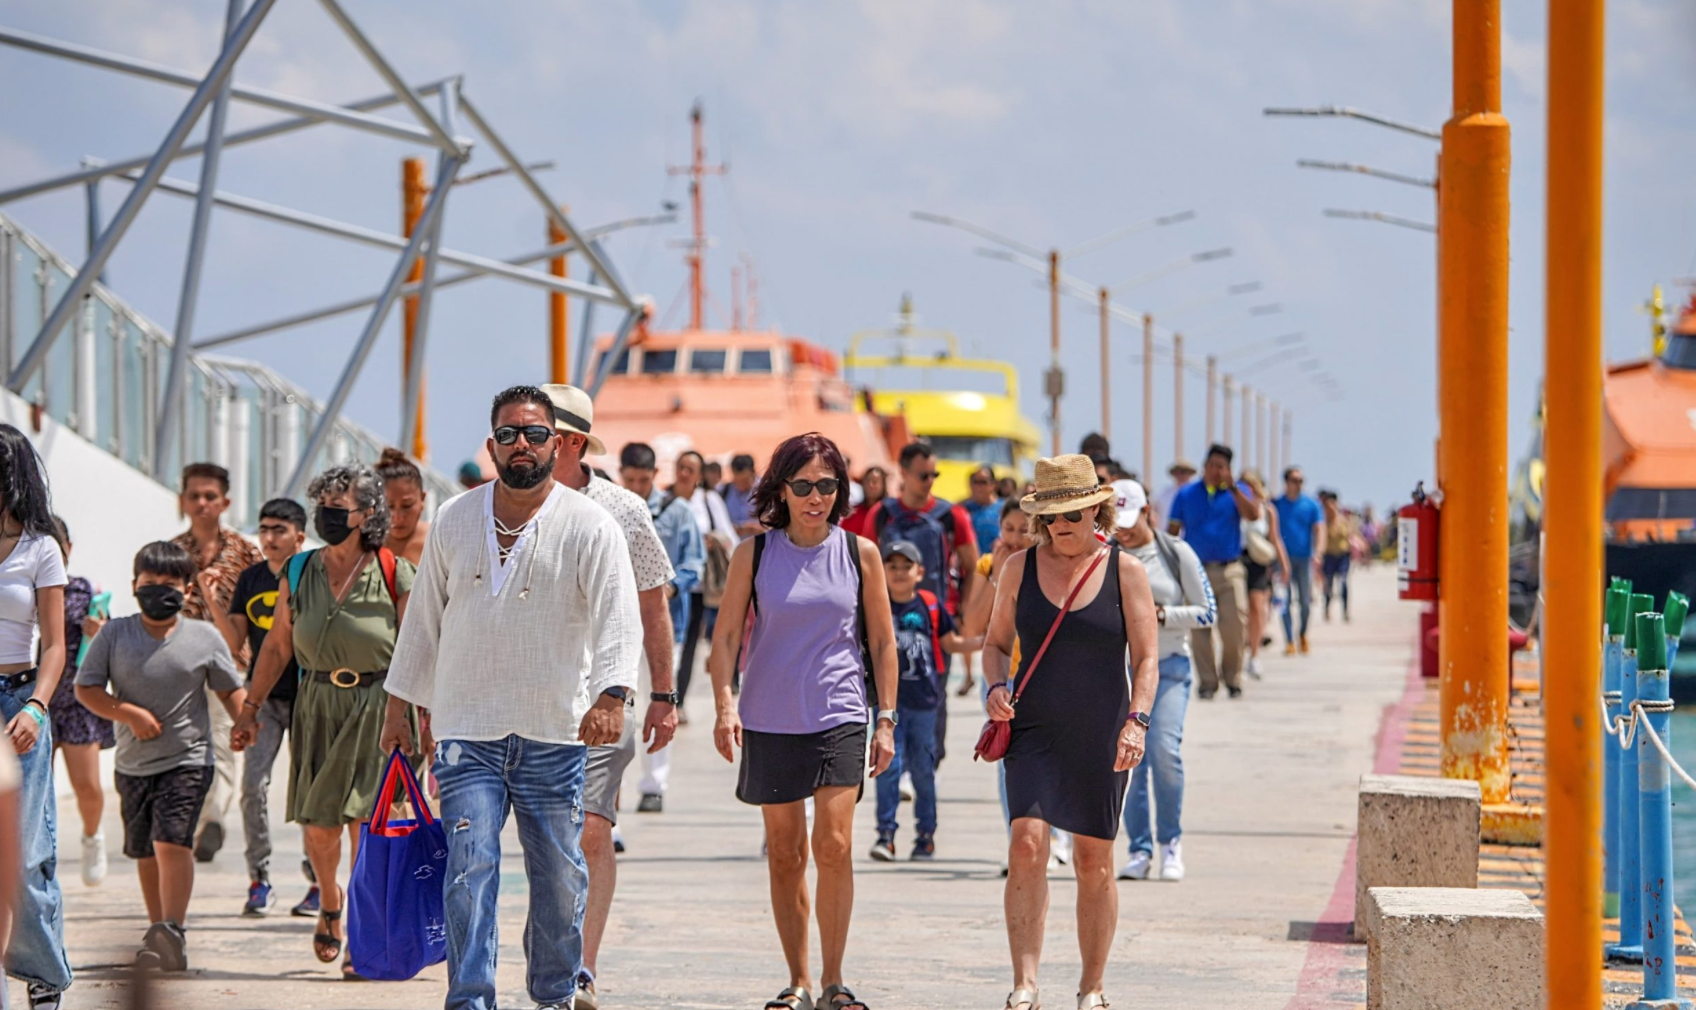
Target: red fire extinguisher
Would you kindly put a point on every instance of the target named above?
(1416, 542)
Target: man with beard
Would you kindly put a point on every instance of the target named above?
(521, 639)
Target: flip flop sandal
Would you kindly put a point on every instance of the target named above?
(803, 1000)
(326, 940)
(1092, 1001)
(834, 992)
(349, 975)
(1023, 997)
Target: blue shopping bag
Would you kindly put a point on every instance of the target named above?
(396, 926)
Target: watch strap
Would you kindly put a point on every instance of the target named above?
(888, 713)
(1140, 718)
(669, 697)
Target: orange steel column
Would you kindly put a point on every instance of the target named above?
(413, 192)
(559, 355)
(1106, 393)
(1054, 351)
(1177, 397)
(1473, 393)
(1573, 573)
(1148, 398)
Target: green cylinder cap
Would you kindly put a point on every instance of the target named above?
(1618, 608)
(1652, 641)
(1677, 606)
(1641, 603)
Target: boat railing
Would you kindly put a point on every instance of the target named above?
(107, 380)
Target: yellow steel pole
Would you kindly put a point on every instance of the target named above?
(558, 329)
(1572, 565)
(1106, 393)
(1177, 397)
(1473, 362)
(413, 192)
(1212, 388)
(1054, 351)
(1147, 397)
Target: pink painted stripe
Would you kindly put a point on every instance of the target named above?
(1328, 953)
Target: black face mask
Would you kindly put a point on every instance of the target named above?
(159, 602)
(331, 524)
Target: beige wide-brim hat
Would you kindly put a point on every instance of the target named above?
(1065, 483)
(574, 412)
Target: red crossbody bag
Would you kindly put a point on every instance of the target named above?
(992, 742)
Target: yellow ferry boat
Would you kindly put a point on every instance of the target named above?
(966, 408)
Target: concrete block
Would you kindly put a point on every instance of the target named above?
(1452, 948)
(1414, 831)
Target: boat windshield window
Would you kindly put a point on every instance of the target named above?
(754, 361)
(619, 367)
(706, 362)
(659, 362)
(932, 379)
(1652, 503)
(1680, 351)
(972, 449)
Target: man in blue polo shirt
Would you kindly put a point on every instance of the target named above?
(1299, 522)
(1209, 513)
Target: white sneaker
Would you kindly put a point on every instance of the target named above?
(1172, 861)
(1061, 846)
(1137, 867)
(94, 858)
(1252, 667)
(906, 788)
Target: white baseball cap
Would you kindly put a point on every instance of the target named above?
(1129, 499)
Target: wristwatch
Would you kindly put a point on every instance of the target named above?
(1140, 718)
(669, 697)
(889, 713)
(621, 693)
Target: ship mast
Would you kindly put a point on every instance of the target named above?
(696, 170)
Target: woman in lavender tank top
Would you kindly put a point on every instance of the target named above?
(804, 706)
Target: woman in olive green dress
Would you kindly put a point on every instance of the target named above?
(338, 611)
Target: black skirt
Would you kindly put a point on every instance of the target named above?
(1065, 731)
(786, 767)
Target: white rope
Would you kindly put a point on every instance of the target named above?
(1624, 728)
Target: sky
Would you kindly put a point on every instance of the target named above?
(1051, 123)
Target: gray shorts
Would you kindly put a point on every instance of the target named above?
(604, 773)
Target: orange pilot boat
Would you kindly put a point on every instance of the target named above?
(722, 392)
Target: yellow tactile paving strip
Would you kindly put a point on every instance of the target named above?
(1521, 867)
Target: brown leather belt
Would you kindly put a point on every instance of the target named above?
(344, 677)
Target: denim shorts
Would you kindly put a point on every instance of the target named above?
(161, 808)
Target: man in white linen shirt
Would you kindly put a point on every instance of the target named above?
(521, 639)
(574, 417)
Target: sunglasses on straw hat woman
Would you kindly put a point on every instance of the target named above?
(1078, 723)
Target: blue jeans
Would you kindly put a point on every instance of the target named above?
(1301, 587)
(1161, 761)
(37, 950)
(915, 751)
(481, 780)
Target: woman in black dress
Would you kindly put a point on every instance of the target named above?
(1079, 724)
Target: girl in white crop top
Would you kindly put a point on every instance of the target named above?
(32, 659)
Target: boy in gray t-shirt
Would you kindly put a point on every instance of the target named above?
(149, 673)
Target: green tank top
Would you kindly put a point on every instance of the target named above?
(357, 634)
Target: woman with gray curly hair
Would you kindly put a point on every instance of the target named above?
(337, 614)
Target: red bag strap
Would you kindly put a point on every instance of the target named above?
(398, 773)
(386, 563)
(1030, 668)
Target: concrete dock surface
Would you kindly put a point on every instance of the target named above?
(1269, 814)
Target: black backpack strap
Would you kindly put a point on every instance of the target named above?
(754, 580)
(881, 517)
(860, 618)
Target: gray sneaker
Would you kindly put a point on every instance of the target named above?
(164, 948)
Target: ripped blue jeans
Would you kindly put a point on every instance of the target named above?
(542, 783)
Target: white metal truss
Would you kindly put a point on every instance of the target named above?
(211, 92)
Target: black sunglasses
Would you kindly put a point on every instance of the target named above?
(932, 475)
(804, 488)
(535, 434)
(1050, 518)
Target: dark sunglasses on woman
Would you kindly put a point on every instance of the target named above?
(1050, 518)
(535, 434)
(804, 488)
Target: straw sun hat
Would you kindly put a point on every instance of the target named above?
(1065, 483)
